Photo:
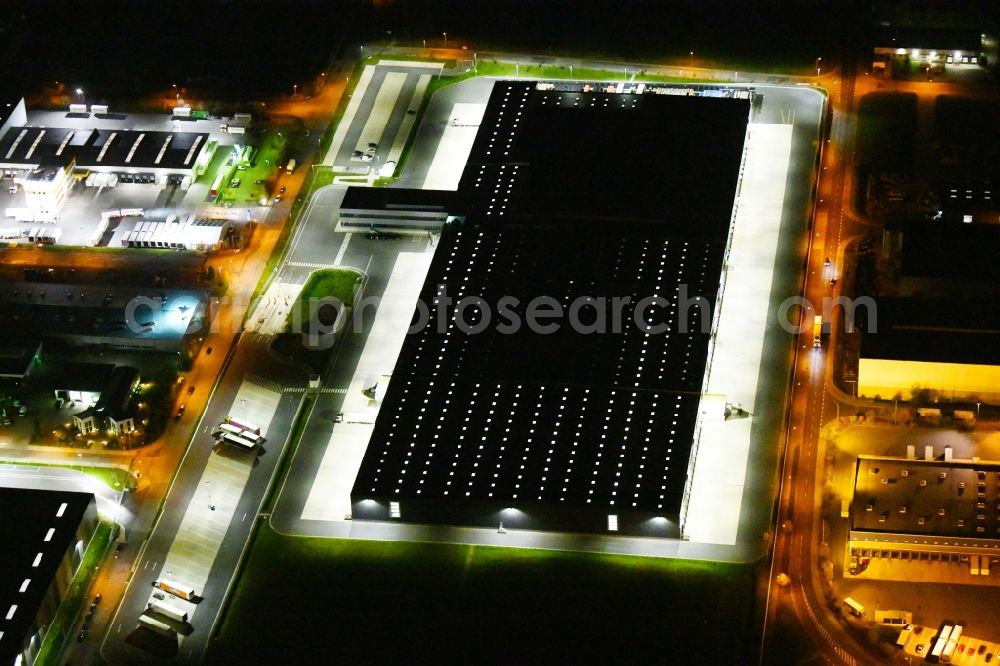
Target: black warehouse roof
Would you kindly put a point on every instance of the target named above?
(567, 195)
(31, 555)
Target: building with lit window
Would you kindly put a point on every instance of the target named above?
(45, 535)
(930, 48)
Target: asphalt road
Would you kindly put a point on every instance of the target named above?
(250, 357)
(798, 614)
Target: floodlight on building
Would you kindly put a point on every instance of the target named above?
(612, 523)
(915, 53)
(394, 510)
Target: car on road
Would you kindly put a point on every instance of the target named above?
(208, 352)
(374, 234)
(920, 648)
(81, 635)
(282, 190)
(180, 411)
(190, 389)
(277, 199)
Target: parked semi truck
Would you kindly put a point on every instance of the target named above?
(167, 610)
(175, 588)
(157, 626)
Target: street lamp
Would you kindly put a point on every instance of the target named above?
(79, 94)
(818, 61)
(295, 88)
(445, 38)
(210, 505)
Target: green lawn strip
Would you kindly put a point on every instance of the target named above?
(109, 476)
(75, 599)
(327, 283)
(473, 603)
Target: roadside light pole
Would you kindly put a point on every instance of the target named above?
(445, 38)
(977, 410)
(211, 506)
(295, 89)
(818, 61)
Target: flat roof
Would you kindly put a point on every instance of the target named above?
(571, 418)
(935, 330)
(100, 310)
(16, 357)
(927, 497)
(25, 521)
(396, 198)
(82, 376)
(106, 148)
(951, 251)
(573, 158)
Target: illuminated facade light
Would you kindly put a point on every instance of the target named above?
(394, 510)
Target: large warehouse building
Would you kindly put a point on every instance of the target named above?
(45, 535)
(926, 518)
(948, 346)
(588, 426)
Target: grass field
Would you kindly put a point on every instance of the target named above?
(109, 476)
(308, 600)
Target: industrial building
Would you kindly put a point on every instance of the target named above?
(117, 317)
(932, 48)
(933, 511)
(45, 535)
(587, 427)
(28, 146)
(948, 346)
(18, 359)
(395, 209)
